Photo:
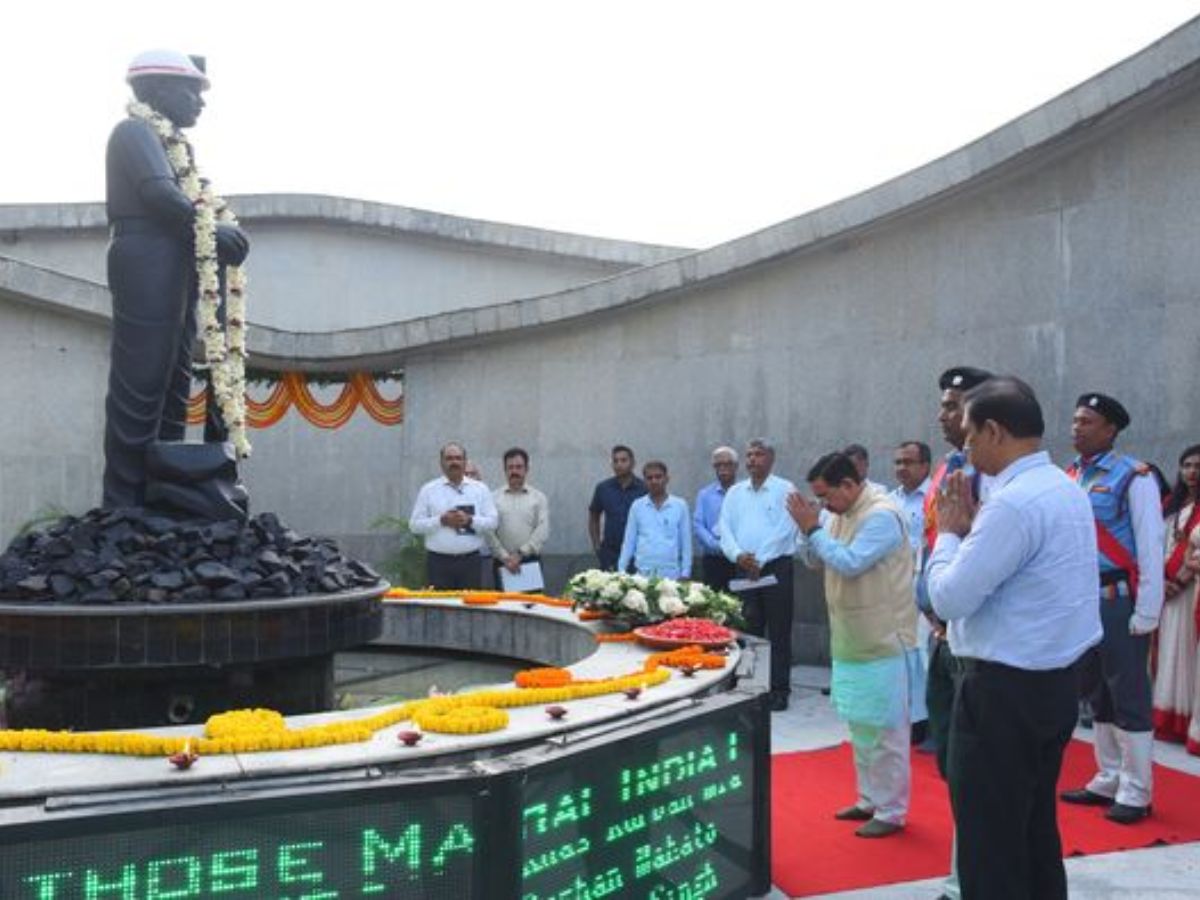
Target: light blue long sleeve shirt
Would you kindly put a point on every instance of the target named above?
(1020, 588)
(912, 504)
(880, 534)
(657, 538)
(757, 521)
(706, 519)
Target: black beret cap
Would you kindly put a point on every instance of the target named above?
(962, 378)
(1107, 407)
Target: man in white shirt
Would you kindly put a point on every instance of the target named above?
(759, 537)
(451, 513)
(1016, 581)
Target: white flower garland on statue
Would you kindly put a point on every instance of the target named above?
(224, 348)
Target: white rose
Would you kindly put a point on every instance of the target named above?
(695, 595)
(611, 591)
(636, 601)
(668, 588)
(671, 605)
(641, 582)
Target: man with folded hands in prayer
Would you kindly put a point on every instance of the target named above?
(862, 544)
(1016, 580)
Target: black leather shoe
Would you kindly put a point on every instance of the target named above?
(854, 813)
(778, 702)
(877, 828)
(1084, 797)
(1126, 815)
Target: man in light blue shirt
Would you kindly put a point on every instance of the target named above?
(911, 463)
(759, 537)
(707, 517)
(656, 540)
(1016, 580)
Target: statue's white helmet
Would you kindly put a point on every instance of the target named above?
(166, 62)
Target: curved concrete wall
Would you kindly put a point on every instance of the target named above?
(326, 264)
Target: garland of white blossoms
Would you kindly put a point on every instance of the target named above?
(224, 348)
(638, 599)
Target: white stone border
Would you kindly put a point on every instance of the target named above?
(37, 775)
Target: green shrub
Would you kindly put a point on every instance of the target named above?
(405, 566)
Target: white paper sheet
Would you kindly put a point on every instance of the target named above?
(752, 584)
(526, 579)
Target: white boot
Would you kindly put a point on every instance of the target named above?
(1107, 779)
(1137, 759)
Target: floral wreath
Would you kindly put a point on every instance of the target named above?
(224, 347)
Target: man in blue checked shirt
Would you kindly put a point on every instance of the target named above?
(706, 520)
(657, 540)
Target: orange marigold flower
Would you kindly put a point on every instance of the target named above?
(542, 678)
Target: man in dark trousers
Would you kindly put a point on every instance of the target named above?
(939, 683)
(1015, 578)
(610, 502)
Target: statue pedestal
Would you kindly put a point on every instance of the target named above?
(139, 665)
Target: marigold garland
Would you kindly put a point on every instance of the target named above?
(690, 656)
(626, 637)
(293, 390)
(253, 731)
(479, 598)
(544, 677)
(446, 719)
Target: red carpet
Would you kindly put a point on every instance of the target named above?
(812, 853)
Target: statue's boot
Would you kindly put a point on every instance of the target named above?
(197, 480)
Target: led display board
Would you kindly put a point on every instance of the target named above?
(674, 808)
(385, 841)
(670, 813)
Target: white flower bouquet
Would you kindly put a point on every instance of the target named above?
(639, 600)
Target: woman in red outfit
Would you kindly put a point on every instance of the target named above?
(1175, 683)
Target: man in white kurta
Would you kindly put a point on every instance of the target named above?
(862, 545)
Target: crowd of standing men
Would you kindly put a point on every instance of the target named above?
(992, 582)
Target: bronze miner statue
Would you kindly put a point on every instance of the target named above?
(172, 243)
(201, 627)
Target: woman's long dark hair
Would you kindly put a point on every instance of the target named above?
(1180, 493)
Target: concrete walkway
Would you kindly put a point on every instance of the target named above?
(1160, 872)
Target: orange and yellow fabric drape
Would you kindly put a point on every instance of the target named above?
(292, 390)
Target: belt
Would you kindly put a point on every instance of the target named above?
(971, 665)
(452, 555)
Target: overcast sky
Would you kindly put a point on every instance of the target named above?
(672, 121)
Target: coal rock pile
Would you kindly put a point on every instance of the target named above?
(136, 556)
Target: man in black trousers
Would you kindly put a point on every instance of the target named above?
(1016, 580)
